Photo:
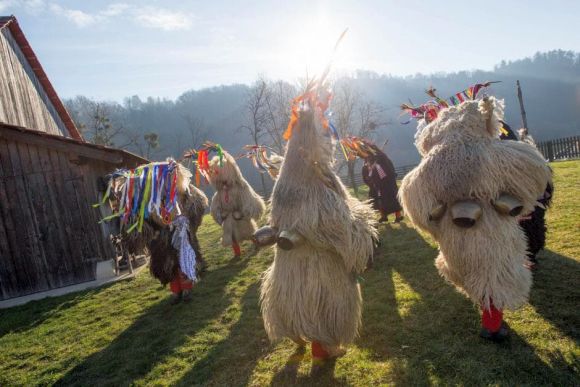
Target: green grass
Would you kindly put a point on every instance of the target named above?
(416, 328)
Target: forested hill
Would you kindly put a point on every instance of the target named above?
(550, 83)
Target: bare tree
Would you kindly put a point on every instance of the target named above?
(257, 115)
(96, 122)
(152, 142)
(354, 115)
(344, 106)
(197, 131)
(278, 103)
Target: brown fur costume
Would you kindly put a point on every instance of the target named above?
(156, 235)
(310, 293)
(464, 159)
(235, 205)
(164, 257)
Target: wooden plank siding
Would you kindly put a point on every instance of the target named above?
(23, 100)
(49, 231)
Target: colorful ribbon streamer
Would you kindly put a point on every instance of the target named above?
(430, 110)
(201, 159)
(258, 154)
(357, 147)
(138, 193)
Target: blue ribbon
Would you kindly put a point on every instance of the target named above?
(168, 203)
(334, 131)
(156, 182)
(136, 192)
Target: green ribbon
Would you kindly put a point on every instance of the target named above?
(112, 216)
(145, 199)
(105, 197)
(220, 153)
(132, 227)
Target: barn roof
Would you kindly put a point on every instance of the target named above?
(80, 147)
(12, 24)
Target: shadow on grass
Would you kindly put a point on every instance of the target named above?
(156, 334)
(556, 292)
(238, 352)
(37, 312)
(323, 376)
(430, 332)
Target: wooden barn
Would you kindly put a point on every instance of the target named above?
(49, 177)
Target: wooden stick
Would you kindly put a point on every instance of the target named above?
(522, 110)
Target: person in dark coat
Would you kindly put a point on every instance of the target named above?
(379, 174)
(534, 223)
(506, 132)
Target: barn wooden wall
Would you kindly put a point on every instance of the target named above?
(23, 101)
(49, 235)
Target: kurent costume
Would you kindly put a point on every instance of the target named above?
(467, 192)
(262, 162)
(324, 238)
(235, 205)
(169, 250)
(157, 205)
(379, 175)
(533, 224)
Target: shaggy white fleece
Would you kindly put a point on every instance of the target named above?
(310, 293)
(463, 158)
(235, 205)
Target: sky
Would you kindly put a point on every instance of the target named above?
(115, 49)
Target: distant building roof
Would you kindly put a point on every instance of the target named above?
(12, 24)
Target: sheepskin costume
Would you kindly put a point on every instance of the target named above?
(275, 163)
(158, 236)
(310, 292)
(467, 192)
(235, 205)
(164, 257)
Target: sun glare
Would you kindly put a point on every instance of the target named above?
(310, 49)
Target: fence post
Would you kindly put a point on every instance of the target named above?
(550, 150)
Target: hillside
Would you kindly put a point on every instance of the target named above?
(416, 328)
(550, 83)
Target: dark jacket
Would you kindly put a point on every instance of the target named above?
(382, 190)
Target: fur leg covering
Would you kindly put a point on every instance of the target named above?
(487, 260)
(310, 294)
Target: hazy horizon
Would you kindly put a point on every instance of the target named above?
(115, 49)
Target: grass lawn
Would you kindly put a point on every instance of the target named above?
(416, 328)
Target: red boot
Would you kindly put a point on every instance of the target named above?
(492, 325)
(318, 352)
(237, 250)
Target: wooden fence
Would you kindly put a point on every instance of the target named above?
(561, 148)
